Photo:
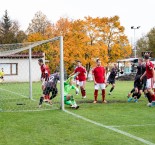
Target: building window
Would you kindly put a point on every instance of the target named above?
(9, 68)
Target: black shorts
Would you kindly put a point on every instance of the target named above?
(48, 89)
(111, 81)
(138, 86)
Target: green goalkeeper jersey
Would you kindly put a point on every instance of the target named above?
(68, 87)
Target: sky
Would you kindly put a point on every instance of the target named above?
(131, 12)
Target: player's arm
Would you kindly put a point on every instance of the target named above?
(72, 73)
(46, 76)
(75, 88)
(105, 76)
(93, 77)
(153, 71)
(143, 75)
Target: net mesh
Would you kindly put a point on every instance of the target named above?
(18, 81)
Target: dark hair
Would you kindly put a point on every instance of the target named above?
(78, 61)
(40, 60)
(146, 56)
(97, 60)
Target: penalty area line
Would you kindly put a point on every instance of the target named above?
(111, 128)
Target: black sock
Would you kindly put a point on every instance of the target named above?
(138, 96)
(134, 94)
(111, 89)
(41, 100)
(148, 97)
(132, 90)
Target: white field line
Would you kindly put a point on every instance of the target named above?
(14, 93)
(111, 128)
(25, 97)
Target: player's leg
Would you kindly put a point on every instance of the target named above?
(113, 86)
(77, 85)
(54, 94)
(46, 97)
(102, 86)
(139, 93)
(82, 88)
(107, 84)
(154, 88)
(135, 94)
(129, 94)
(96, 88)
(149, 85)
(46, 91)
(69, 100)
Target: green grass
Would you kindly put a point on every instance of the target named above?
(55, 127)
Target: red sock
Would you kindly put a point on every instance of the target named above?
(153, 97)
(103, 94)
(47, 97)
(83, 91)
(95, 95)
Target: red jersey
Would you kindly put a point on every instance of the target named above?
(82, 71)
(45, 72)
(99, 74)
(149, 68)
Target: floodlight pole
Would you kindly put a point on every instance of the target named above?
(134, 45)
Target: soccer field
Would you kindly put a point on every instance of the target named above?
(115, 123)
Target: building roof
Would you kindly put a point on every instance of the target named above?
(24, 55)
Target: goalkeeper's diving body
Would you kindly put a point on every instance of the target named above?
(50, 86)
(68, 98)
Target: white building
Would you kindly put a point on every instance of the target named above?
(16, 67)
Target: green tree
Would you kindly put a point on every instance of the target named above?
(151, 41)
(147, 43)
(142, 45)
(9, 30)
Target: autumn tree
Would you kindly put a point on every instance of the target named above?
(112, 34)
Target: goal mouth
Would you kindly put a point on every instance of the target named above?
(20, 90)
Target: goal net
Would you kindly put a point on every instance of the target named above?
(20, 77)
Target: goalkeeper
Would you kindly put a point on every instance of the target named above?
(68, 98)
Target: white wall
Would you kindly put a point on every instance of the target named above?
(23, 70)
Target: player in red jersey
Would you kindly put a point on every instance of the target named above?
(150, 74)
(99, 77)
(82, 77)
(45, 73)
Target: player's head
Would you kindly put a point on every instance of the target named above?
(78, 63)
(40, 61)
(115, 65)
(140, 60)
(146, 57)
(98, 62)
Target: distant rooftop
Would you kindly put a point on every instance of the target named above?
(24, 55)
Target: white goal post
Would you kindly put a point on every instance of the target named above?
(6, 50)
